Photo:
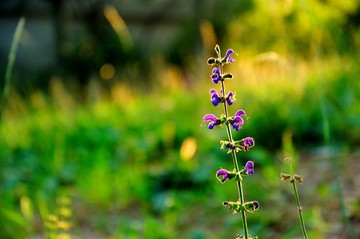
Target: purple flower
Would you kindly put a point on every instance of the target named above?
(240, 113)
(223, 175)
(238, 121)
(213, 121)
(215, 98)
(247, 143)
(249, 166)
(216, 75)
(228, 57)
(230, 98)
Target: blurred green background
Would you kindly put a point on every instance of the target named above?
(101, 131)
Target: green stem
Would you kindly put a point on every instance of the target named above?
(235, 162)
(297, 198)
(242, 201)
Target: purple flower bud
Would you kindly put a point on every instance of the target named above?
(247, 143)
(249, 166)
(256, 205)
(215, 98)
(230, 98)
(216, 75)
(213, 121)
(228, 56)
(223, 175)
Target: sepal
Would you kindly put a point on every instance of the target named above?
(298, 178)
(251, 206)
(235, 207)
(227, 76)
(293, 178)
(285, 176)
(230, 146)
(213, 61)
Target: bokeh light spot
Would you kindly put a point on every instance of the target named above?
(188, 148)
(107, 71)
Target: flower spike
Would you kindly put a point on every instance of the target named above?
(236, 121)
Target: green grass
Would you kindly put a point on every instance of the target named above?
(11, 62)
(120, 164)
(118, 158)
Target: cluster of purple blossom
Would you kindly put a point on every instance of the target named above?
(235, 122)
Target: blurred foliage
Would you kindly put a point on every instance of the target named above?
(133, 161)
(120, 163)
(304, 28)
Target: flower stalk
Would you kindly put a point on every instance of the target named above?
(231, 122)
(301, 218)
(293, 179)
